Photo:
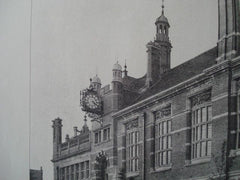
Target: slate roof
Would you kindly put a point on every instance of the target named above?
(173, 77)
(133, 84)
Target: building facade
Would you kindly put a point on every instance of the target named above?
(35, 174)
(172, 123)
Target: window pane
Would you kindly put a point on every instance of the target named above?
(193, 134)
(160, 143)
(203, 148)
(198, 150)
(193, 117)
(169, 142)
(209, 148)
(164, 157)
(100, 136)
(160, 129)
(209, 113)
(108, 133)
(196, 117)
(204, 133)
(105, 134)
(193, 151)
(164, 142)
(169, 126)
(136, 164)
(96, 137)
(209, 130)
(199, 115)
(164, 127)
(169, 157)
(160, 159)
(204, 114)
(137, 150)
(238, 140)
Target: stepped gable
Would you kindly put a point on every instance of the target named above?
(181, 73)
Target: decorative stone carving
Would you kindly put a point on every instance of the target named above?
(132, 124)
(164, 112)
(201, 98)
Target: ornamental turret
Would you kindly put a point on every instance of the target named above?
(96, 83)
(117, 87)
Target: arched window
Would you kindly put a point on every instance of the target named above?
(165, 30)
(160, 28)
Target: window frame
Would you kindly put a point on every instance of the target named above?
(238, 120)
(132, 150)
(163, 151)
(198, 139)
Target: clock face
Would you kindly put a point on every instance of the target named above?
(92, 101)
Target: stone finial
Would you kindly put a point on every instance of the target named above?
(75, 130)
(67, 138)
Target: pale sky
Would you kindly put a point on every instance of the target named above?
(71, 41)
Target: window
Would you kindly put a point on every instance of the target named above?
(67, 173)
(72, 172)
(132, 150)
(106, 134)
(96, 138)
(201, 142)
(77, 171)
(84, 170)
(62, 173)
(163, 138)
(99, 137)
(87, 169)
(238, 117)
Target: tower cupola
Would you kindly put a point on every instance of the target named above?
(96, 83)
(117, 87)
(117, 72)
(162, 27)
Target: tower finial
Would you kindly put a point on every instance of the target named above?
(162, 7)
(125, 68)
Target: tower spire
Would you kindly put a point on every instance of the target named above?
(162, 7)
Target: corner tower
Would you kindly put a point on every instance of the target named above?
(57, 135)
(228, 29)
(159, 51)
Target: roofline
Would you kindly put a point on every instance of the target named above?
(205, 72)
(158, 94)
